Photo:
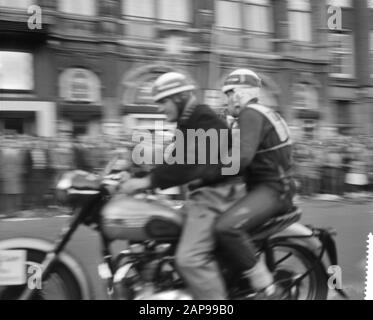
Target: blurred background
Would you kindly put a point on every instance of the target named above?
(76, 76)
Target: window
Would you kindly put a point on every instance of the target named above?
(300, 20)
(168, 10)
(16, 71)
(228, 14)
(343, 113)
(305, 96)
(79, 7)
(79, 85)
(258, 16)
(370, 4)
(174, 10)
(20, 4)
(342, 55)
(138, 8)
(340, 3)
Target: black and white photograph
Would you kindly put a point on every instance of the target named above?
(167, 150)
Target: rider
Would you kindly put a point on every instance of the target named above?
(175, 95)
(265, 163)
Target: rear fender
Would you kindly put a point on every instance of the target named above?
(317, 240)
(65, 258)
(305, 234)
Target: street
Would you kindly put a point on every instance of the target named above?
(353, 222)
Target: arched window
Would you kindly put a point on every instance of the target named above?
(78, 7)
(80, 85)
(300, 25)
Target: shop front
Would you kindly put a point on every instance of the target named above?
(28, 117)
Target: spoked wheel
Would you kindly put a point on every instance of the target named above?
(60, 285)
(299, 273)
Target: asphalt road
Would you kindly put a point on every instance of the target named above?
(353, 222)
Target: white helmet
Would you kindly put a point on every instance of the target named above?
(245, 84)
(169, 84)
(241, 78)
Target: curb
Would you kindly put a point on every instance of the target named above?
(16, 219)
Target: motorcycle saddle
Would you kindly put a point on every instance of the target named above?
(276, 224)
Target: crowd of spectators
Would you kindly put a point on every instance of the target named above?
(30, 166)
(335, 168)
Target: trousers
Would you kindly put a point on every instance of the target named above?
(195, 258)
(253, 209)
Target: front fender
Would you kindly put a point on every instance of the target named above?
(65, 258)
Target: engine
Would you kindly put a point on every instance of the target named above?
(149, 275)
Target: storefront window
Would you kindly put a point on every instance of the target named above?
(16, 71)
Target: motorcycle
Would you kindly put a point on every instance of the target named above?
(296, 254)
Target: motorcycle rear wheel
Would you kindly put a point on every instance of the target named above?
(314, 285)
(60, 285)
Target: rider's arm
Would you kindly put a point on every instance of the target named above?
(251, 125)
(166, 175)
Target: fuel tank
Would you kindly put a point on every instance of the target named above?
(129, 218)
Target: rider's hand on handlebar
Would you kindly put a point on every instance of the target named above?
(135, 184)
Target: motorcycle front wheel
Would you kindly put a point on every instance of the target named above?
(294, 262)
(60, 284)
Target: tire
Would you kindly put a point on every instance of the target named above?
(60, 285)
(317, 279)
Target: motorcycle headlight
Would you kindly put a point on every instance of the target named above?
(65, 182)
(75, 186)
(63, 185)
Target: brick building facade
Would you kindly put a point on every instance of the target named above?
(91, 65)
